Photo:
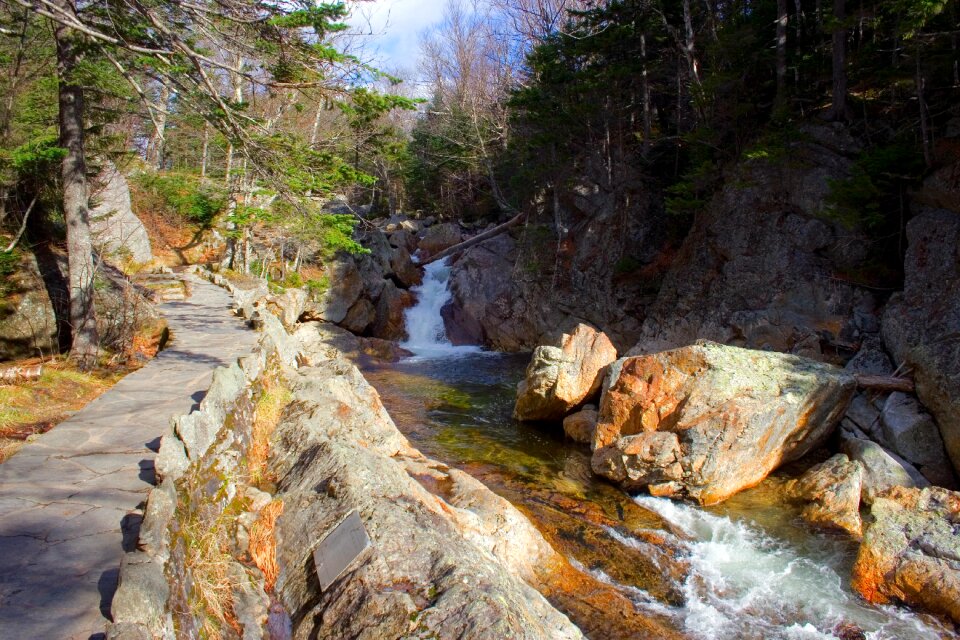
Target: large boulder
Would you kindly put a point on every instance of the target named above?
(561, 378)
(910, 432)
(28, 324)
(117, 233)
(344, 289)
(440, 237)
(390, 322)
(832, 491)
(707, 420)
(489, 306)
(920, 325)
(403, 267)
(758, 268)
(911, 552)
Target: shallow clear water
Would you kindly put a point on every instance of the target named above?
(748, 568)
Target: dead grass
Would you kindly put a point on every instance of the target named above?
(263, 543)
(208, 561)
(274, 398)
(30, 408)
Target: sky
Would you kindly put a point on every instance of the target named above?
(394, 28)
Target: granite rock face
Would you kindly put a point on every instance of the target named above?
(448, 559)
(921, 324)
(708, 420)
(117, 232)
(560, 378)
(756, 270)
(911, 552)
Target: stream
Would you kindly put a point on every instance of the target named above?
(747, 568)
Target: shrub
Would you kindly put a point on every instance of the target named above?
(186, 195)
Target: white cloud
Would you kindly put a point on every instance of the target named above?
(394, 28)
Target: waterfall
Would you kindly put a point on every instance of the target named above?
(424, 324)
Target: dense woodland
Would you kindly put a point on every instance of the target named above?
(243, 114)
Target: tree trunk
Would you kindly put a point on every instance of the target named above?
(782, 18)
(924, 121)
(645, 80)
(839, 111)
(158, 140)
(85, 342)
(206, 149)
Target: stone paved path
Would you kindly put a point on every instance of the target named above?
(68, 500)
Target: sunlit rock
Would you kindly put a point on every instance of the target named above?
(706, 421)
(832, 490)
(911, 552)
(561, 378)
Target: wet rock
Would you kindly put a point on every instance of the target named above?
(832, 489)
(560, 378)
(440, 237)
(383, 350)
(117, 232)
(911, 552)
(448, 559)
(708, 420)
(393, 302)
(910, 432)
(581, 425)
(921, 324)
(882, 470)
(403, 267)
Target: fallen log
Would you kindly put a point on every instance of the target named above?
(475, 240)
(885, 383)
(21, 374)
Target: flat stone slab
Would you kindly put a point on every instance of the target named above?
(68, 501)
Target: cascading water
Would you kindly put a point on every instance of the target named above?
(754, 574)
(424, 324)
(744, 584)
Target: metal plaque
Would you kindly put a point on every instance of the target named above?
(339, 548)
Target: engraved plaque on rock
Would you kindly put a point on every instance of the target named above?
(337, 551)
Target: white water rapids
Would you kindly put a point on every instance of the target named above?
(746, 580)
(745, 584)
(424, 323)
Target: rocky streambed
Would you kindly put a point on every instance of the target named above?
(750, 567)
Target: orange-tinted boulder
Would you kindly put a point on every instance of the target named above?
(561, 378)
(734, 416)
(911, 552)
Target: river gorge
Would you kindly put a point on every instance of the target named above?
(747, 568)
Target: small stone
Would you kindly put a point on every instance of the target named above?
(580, 426)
